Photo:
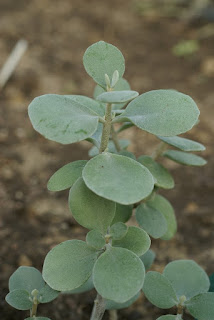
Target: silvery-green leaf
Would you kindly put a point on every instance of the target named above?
(118, 178)
(117, 96)
(94, 151)
(37, 318)
(103, 58)
(123, 213)
(211, 289)
(170, 317)
(151, 220)
(162, 205)
(66, 176)
(47, 294)
(183, 143)
(62, 119)
(161, 174)
(95, 239)
(26, 278)
(136, 240)
(87, 286)
(187, 159)
(112, 305)
(19, 299)
(127, 154)
(187, 278)
(91, 104)
(159, 291)
(125, 126)
(118, 274)
(118, 230)
(89, 209)
(161, 112)
(69, 265)
(148, 259)
(202, 306)
(96, 137)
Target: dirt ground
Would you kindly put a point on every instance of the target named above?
(32, 220)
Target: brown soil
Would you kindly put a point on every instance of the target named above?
(32, 219)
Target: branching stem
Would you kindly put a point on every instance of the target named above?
(98, 309)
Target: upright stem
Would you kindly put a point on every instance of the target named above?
(98, 309)
(33, 311)
(115, 139)
(113, 315)
(106, 129)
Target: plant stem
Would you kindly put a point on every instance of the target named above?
(106, 129)
(33, 311)
(159, 150)
(113, 315)
(98, 309)
(115, 139)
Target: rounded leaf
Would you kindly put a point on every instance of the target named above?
(112, 305)
(187, 278)
(68, 265)
(91, 104)
(170, 317)
(183, 143)
(123, 213)
(148, 259)
(87, 286)
(151, 220)
(161, 174)
(19, 299)
(118, 178)
(159, 291)
(202, 306)
(162, 112)
(136, 240)
(95, 239)
(65, 177)
(103, 58)
(187, 159)
(123, 143)
(118, 274)
(37, 318)
(47, 294)
(90, 210)
(118, 230)
(117, 96)
(26, 278)
(127, 154)
(62, 119)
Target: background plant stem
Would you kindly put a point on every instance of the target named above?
(98, 309)
(113, 315)
(115, 139)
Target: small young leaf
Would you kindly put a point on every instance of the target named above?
(103, 58)
(47, 294)
(202, 306)
(68, 265)
(117, 96)
(170, 317)
(159, 291)
(87, 286)
(94, 151)
(118, 274)
(151, 220)
(19, 299)
(95, 239)
(115, 78)
(26, 278)
(66, 176)
(122, 213)
(118, 230)
(148, 259)
(161, 112)
(118, 178)
(89, 209)
(112, 305)
(187, 159)
(62, 119)
(136, 240)
(163, 205)
(161, 174)
(183, 143)
(187, 278)
(91, 104)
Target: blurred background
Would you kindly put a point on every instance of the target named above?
(166, 44)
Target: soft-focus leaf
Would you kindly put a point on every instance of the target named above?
(87, 286)
(94, 151)
(151, 220)
(127, 154)
(93, 105)
(26, 278)
(62, 119)
(187, 159)
(19, 299)
(95, 239)
(103, 58)
(183, 143)
(162, 205)
(125, 126)
(111, 305)
(211, 289)
(47, 294)
(65, 177)
(148, 259)
(162, 112)
(202, 306)
(159, 291)
(118, 274)
(123, 213)
(118, 230)
(118, 178)
(170, 317)
(187, 278)
(89, 209)
(96, 137)
(136, 240)
(161, 174)
(37, 318)
(117, 96)
(68, 265)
